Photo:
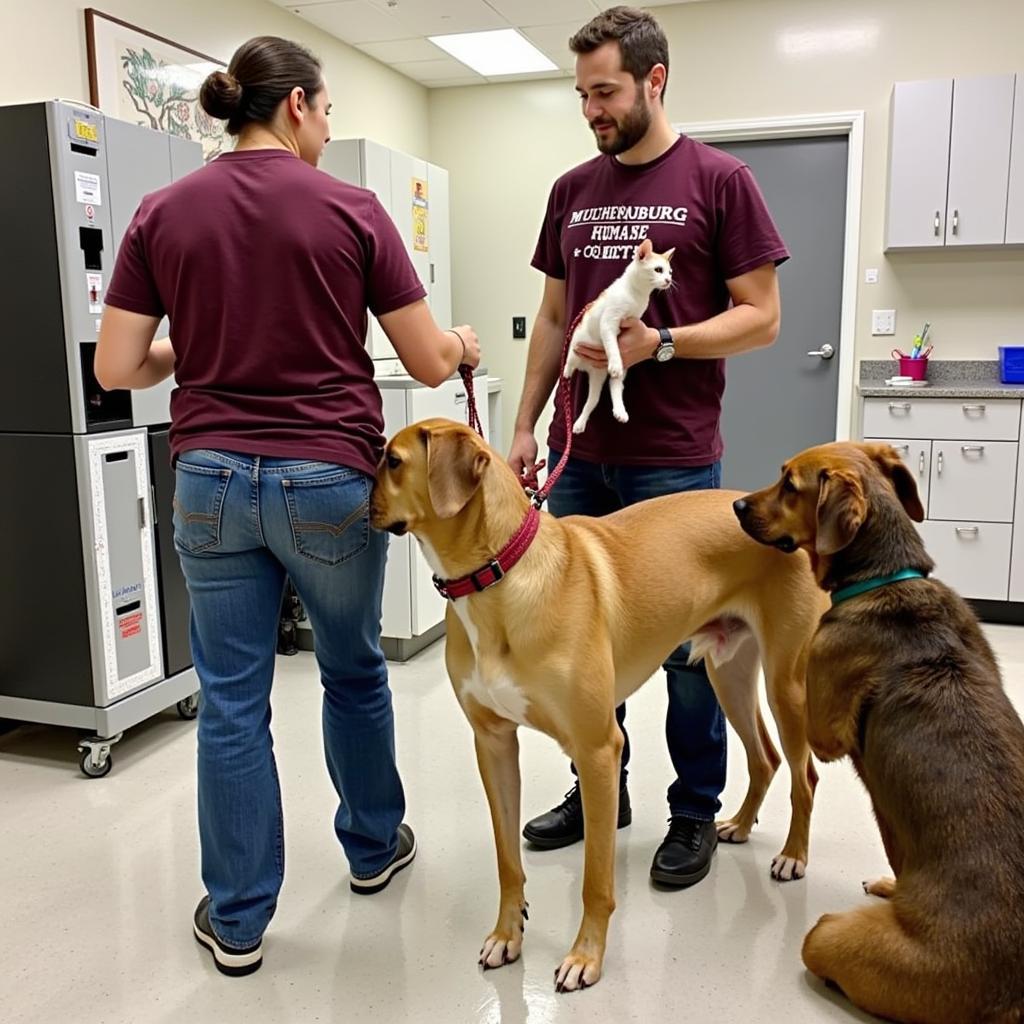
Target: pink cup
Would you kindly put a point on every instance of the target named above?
(915, 369)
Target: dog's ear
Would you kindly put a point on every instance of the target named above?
(455, 467)
(841, 510)
(895, 469)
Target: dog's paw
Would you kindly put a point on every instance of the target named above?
(505, 943)
(576, 973)
(788, 869)
(732, 831)
(498, 951)
(579, 426)
(622, 417)
(882, 887)
(615, 370)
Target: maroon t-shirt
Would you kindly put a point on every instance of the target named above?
(707, 205)
(266, 267)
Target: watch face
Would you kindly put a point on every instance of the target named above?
(664, 353)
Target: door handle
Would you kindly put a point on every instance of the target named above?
(956, 222)
(920, 464)
(937, 223)
(940, 463)
(825, 352)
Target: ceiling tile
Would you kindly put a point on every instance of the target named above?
(545, 12)
(442, 17)
(403, 50)
(353, 21)
(554, 41)
(432, 70)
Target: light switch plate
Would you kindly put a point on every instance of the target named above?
(883, 321)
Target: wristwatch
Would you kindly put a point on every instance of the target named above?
(666, 349)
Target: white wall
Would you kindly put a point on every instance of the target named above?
(45, 56)
(737, 59)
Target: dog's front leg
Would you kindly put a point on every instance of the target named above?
(497, 755)
(831, 724)
(598, 769)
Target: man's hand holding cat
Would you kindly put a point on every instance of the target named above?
(637, 342)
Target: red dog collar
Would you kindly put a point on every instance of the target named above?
(494, 571)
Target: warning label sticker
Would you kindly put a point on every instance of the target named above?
(130, 625)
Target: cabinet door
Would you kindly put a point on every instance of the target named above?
(919, 124)
(918, 457)
(973, 480)
(1015, 203)
(439, 246)
(979, 160)
(972, 558)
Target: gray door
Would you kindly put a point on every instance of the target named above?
(779, 400)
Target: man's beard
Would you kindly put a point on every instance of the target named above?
(632, 129)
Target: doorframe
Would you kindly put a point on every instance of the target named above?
(800, 126)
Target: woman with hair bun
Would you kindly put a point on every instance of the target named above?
(266, 268)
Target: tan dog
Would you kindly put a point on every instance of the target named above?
(586, 616)
(902, 679)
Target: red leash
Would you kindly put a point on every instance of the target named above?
(494, 571)
(466, 373)
(562, 394)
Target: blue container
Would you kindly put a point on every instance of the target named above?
(1011, 364)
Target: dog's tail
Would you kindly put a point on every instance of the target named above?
(719, 640)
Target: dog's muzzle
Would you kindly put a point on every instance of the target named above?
(786, 544)
(398, 528)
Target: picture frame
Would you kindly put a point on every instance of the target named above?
(138, 76)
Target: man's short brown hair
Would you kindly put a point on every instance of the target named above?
(641, 39)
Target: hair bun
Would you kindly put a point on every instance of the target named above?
(221, 95)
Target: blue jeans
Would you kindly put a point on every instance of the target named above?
(694, 724)
(242, 524)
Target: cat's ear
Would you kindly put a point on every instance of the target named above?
(644, 249)
(668, 255)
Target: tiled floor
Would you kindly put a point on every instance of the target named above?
(100, 879)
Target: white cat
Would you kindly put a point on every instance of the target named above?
(627, 296)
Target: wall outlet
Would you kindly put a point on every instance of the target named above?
(883, 321)
(519, 327)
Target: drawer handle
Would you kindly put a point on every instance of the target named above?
(956, 222)
(904, 406)
(937, 223)
(974, 408)
(966, 448)
(940, 463)
(966, 531)
(920, 464)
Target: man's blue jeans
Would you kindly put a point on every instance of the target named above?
(694, 724)
(242, 524)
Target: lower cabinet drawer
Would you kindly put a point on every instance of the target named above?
(972, 558)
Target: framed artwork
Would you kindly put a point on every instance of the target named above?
(144, 78)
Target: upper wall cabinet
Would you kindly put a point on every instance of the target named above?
(950, 162)
(1015, 202)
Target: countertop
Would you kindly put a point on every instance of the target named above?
(947, 378)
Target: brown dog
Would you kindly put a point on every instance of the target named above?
(902, 679)
(587, 615)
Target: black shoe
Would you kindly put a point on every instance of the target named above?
(684, 856)
(227, 959)
(367, 885)
(563, 825)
